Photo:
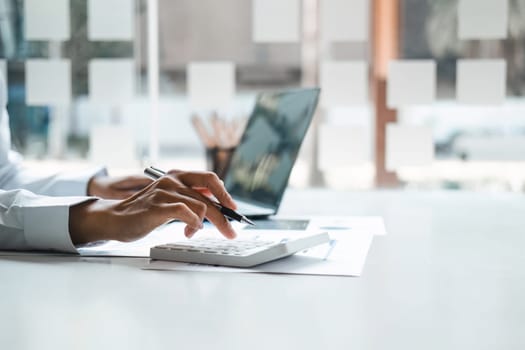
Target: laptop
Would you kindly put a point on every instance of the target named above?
(261, 164)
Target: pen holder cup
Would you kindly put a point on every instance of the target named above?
(218, 160)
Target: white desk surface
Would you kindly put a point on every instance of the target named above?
(450, 275)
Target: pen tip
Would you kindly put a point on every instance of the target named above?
(248, 221)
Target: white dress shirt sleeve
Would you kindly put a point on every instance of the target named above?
(34, 222)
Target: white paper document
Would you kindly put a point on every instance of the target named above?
(345, 255)
(350, 237)
(168, 233)
(369, 224)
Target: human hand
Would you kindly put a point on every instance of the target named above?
(116, 187)
(203, 185)
(170, 197)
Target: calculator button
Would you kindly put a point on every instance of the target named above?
(218, 246)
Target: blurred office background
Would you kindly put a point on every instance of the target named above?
(416, 93)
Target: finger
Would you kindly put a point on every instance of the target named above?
(186, 196)
(197, 206)
(204, 191)
(211, 211)
(207, 180)
(182, 212)
(189, 231)
(169, 190)
(219, 220)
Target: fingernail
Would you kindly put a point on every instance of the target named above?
(189, 231)
(232, 232)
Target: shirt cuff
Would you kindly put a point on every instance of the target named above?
(73, 183)
(46, 223)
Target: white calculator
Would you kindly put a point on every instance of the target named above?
(239, 252)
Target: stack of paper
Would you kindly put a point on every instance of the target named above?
(345, 255)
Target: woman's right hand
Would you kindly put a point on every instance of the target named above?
(165, 199)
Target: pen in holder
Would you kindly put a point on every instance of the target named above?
(221, 142)
(218, 160)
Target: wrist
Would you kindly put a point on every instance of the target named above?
(93, 187)
(89, 221)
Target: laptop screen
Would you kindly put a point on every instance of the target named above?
(261, 165)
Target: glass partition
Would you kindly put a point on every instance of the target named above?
(77, 78)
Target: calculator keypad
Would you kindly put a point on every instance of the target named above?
(217, 246)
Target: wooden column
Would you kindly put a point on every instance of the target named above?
(385, 47)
